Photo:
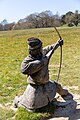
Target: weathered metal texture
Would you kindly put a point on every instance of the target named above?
(37, 96)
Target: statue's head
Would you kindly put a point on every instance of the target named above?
(35, 47)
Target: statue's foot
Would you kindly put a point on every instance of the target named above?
(69, 96)
(62, 91)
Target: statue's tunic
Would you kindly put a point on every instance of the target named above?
(37, 69)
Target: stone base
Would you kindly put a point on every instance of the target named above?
(36, 96)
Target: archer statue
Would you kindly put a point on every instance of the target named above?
(40, 90)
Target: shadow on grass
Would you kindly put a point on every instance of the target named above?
(49, 108)
(43, 113)
(50, 111)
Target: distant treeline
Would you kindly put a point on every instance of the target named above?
(44, 20)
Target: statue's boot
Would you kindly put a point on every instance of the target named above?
(63, 92)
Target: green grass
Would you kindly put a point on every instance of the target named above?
(40, 114)
(13, 49)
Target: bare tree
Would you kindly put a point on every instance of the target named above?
(8, 26)
(1, 27)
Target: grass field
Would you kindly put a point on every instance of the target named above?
(13, 49)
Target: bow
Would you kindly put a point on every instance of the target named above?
(60, 54)
(49, 54)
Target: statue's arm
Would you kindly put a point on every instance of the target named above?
(50, 47)
(30, 67)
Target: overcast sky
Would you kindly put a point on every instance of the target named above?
(13, 10)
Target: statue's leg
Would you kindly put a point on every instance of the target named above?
(60, 90)
(63, 92)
